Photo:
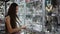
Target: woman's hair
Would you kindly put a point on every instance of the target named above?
(12, 14)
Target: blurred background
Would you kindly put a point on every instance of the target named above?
(40, 16)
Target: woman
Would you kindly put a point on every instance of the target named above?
(10, 20)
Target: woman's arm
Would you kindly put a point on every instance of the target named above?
(10, 29)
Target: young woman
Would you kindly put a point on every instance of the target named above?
(10, 20)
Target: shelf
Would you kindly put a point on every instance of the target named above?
(35, 28)
(2, 28)
(33, 1)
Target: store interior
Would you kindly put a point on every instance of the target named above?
(40, 16)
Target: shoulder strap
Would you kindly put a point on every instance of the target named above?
(18, 21)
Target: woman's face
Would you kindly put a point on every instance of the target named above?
(16, 9)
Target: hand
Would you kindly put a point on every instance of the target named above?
(23, 27)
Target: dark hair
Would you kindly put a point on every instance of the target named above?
(54, 2)
(12, 14)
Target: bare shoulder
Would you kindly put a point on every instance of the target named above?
(7, 17)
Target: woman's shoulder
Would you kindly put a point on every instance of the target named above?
(7, 17)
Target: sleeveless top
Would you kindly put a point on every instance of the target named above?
(18, 25)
